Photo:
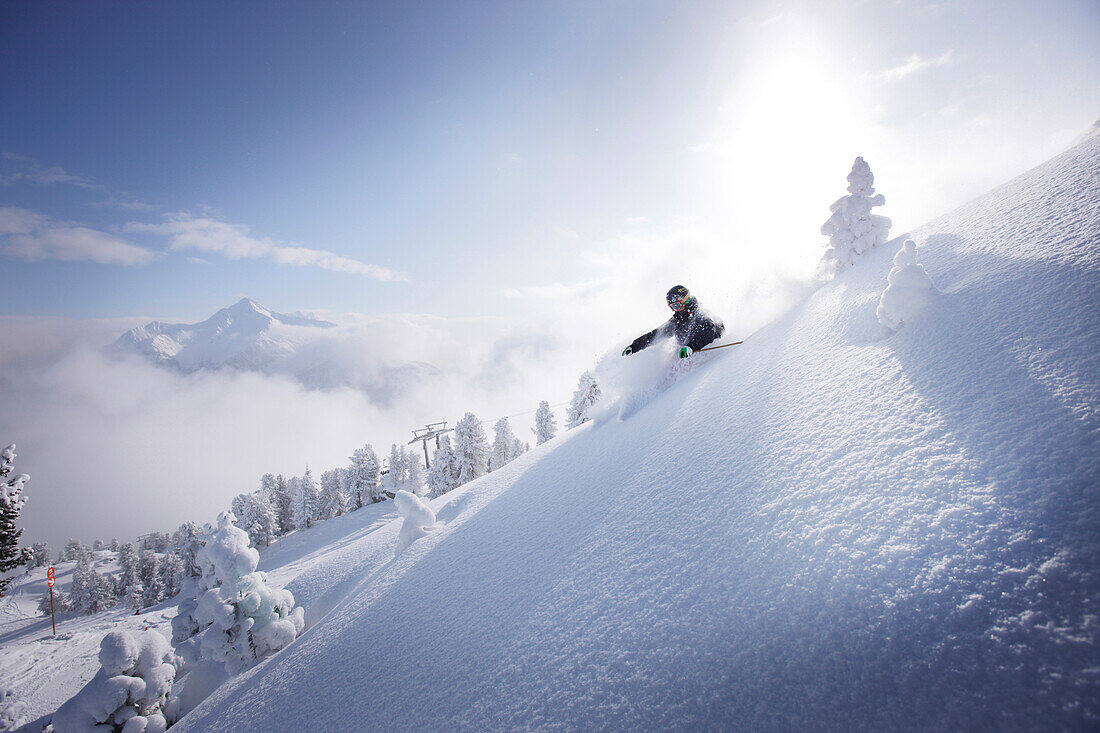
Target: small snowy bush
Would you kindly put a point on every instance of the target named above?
(232, 616)
(129, 692)
(853, 229)
(419, 518)
(908, 290)
(13, 712)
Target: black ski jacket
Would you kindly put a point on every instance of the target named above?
(692, 327)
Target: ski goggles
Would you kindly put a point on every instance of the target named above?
(678, 302)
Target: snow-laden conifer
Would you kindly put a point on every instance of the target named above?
(363, 477)
(11, 503)
(172, 574)
(281, 502)
(853, 229)
(151, 580)
(305, 501)
(330, 501)
(231, 616)
(419, 518)
(586, 395)
(441, 476)
(74, 550)
(399, 469)
(60, 603)
(545, 427)
(130, 691)
(415, 480)
(471, 449)
(187, 541)
(90, 592)
(907, 291)
(518, 449)
(40, 555)
(503, 438)
(255, 516)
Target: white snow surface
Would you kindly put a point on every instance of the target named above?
(830, 527)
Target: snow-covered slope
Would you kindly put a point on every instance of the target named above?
(833, 526)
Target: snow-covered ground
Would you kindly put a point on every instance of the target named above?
(833, 526)
(44, 671)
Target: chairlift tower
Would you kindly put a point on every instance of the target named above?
(433, 430)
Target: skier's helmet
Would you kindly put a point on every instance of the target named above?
(679, 298)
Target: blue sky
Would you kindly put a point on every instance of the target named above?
(423, 157)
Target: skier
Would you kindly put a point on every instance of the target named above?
(692, 326)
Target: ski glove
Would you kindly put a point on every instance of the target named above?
(628, 351)
(685, 352)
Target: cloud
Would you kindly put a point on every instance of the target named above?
(913, 64)
(30, 236)
(557, 290)
(233, 241)
(119, 447)
(16, 168)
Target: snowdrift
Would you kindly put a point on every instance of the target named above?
(833, 526)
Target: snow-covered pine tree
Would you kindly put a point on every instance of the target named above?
(127, 560)
(129, 692)
(441, 476)
(305, 501)
(545, 427)
(395, 477)
(331, 499)
(90, 592)
(282, 504)
(135, 596)
(853, 229)
(503, 438)
(74, 550)
(129, 577)
(11, 503)
(363, 477)
(231, 615)
(241, 506)
(172, 574)
(586, 395)
(151, 581)
(60, 602)
(40, 555)
(187, 541)
(264, 524)
(415, 481)
(518, 449)
(98, 545)
(114, 544)
(471, 449)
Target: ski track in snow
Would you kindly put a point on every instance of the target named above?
(834, 527)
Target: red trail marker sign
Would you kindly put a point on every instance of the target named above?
(50, 582)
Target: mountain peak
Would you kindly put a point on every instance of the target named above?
(235, 335)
